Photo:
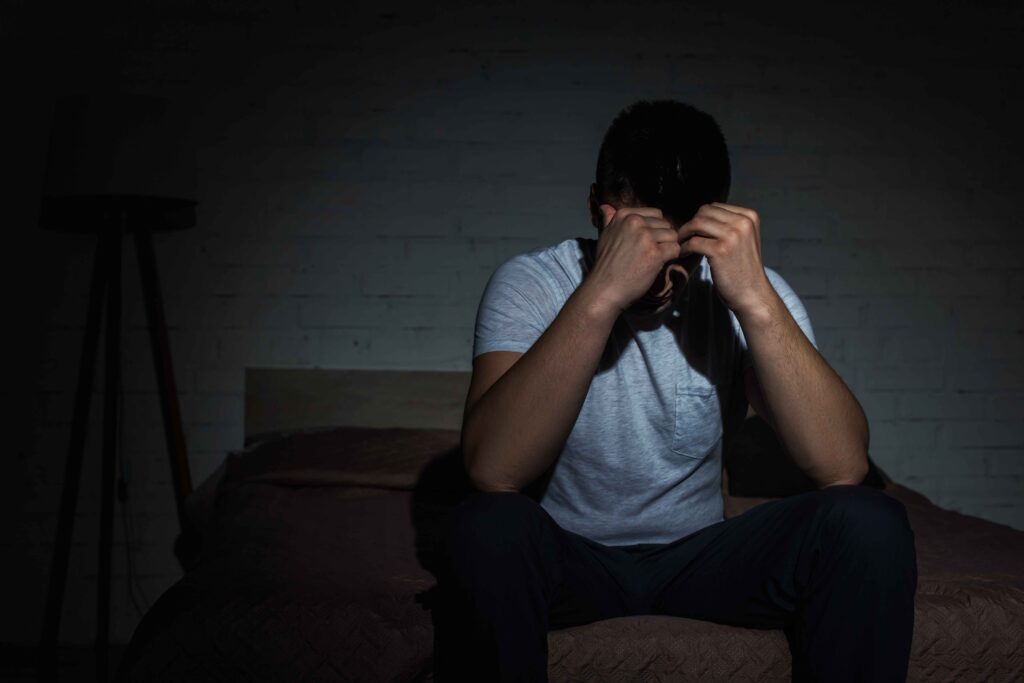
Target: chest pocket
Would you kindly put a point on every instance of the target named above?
(698, 417)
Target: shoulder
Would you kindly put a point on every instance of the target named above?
(547, 266)
(793, 302)
(778, 282)
(785, 290)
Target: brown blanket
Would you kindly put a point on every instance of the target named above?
(316, 566)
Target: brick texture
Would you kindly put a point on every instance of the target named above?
(363, 170)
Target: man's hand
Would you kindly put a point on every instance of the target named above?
(634, 245)
(730, 236)
(817, 417)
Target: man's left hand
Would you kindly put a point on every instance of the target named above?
(730, 236)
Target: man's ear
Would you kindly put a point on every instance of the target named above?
(596, 219)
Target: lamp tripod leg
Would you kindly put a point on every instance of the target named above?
(174, 432)
(47, 663)
(111, 395)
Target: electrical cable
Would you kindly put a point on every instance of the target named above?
(124, 477)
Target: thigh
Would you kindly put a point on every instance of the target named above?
(598, 582)
(746, 570)
(507, 542)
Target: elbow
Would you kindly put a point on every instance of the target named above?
(486, 482)
(478, 476)
(863, 466)
(854, 478)
(862, 471)
(488, 486)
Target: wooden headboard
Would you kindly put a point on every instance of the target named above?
(299, 398)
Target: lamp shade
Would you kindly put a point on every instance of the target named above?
(118, 151)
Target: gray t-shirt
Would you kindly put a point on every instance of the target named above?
(643, 461)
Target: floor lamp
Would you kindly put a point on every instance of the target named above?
(117, 164)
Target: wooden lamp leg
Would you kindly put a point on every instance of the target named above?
(47, 655)
(170, 408)
(111, 395)
(107, 283)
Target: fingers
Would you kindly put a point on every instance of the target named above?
(704, 223)
(715, 227)
(640, 222)
(670, 250)
(650, 211)
(713, 231)
(712, 222)
(662, 235)
(749, 213)
(642, 210)
(698, 244)
(735, 216)
(707, 229)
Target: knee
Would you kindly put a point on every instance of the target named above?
(491, 525)
(870, 521)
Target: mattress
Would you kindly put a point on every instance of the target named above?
(316, 563)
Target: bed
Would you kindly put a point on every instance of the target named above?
(318, 540)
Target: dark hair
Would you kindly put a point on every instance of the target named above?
(665, 154)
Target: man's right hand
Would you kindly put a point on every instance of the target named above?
(633, 247)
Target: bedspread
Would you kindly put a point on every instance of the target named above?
(321, 577)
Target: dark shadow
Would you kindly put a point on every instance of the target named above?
(759, 466)
(441, 486)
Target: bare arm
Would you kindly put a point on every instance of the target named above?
(814, 413)
(816, 416)
(521, 408)
(513, 432)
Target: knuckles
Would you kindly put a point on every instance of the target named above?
(634, 222)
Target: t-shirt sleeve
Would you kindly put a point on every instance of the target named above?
(796, 309)
(516, 307)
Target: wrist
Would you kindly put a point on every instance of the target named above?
(597, 302)
(762, 311)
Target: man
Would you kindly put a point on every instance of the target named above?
(602, 372)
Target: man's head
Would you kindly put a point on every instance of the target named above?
(665, 154)
(661, 153)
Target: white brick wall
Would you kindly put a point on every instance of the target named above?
(362, 172)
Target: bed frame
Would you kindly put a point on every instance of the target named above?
(278, 399)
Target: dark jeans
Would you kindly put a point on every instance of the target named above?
(835, 568)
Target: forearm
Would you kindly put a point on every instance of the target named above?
(815, 414)
(518, 427)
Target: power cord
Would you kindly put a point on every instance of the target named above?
(124, 477)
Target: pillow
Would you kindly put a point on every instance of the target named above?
(758, 466)
(756, 462)
(360, 462)
(386, 458)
